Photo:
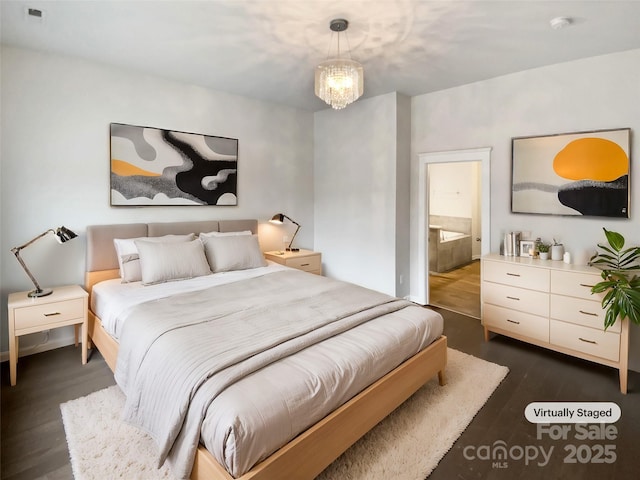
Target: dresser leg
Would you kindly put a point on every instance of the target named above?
(486, 334)
(623, 380)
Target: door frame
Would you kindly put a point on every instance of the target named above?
(482, 155)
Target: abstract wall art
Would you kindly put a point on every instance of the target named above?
(582, 173)
(152, 166)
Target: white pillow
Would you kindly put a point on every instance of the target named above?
(128, 253)
(225, 234)
(233, 252)
(164, 262)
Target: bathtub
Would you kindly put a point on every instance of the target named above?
(448, 249)
(447, 236)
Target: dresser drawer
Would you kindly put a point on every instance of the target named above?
(308, 264)
(50, 313)
(575, 284)
(581, 312)
(516, 275)
(529, 301)
(520, 323)
(586, 340)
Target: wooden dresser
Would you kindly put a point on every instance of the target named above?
(549, 303)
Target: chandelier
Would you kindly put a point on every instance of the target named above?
(339, 81)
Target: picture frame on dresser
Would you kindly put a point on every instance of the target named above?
(574, 174)
(525, 247)
(154, 166)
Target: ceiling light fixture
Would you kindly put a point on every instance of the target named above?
(339, 81)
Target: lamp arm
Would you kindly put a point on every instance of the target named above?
(291, 220)
(16, 252)
(294, 234)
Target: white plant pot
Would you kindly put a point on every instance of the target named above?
(544, 255)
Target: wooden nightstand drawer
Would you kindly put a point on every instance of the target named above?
(50, 313)
(307, 264)
(586, 340)
(306, 260)
(516, 275)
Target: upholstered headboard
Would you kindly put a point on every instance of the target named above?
(101, 253)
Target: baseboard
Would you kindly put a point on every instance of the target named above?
(415, 299)
(51, 344)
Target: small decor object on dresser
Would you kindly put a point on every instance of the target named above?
(151, 166)
(527, 248)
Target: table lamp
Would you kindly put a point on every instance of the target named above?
(62, 234)
(278, 219)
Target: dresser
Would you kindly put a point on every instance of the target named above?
(306, 260)
(549, 304)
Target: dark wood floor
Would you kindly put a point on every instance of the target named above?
(34, 447)
(457, 290)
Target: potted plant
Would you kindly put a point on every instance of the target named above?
(621, 284)
(543, 249)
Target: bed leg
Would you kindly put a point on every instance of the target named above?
(442, 379)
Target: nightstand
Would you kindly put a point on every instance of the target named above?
(65, 306)
(306, 260)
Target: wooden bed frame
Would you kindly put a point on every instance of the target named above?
(312, 451)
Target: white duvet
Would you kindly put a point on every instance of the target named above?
(252, 416)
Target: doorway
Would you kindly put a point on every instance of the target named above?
(454, 238)
(481, 155)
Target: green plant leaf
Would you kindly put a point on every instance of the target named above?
(615, 239)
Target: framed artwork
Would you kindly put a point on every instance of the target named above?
(152, 166)
(525, 246)
(582, 173)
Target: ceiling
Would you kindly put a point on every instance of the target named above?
(268, 49)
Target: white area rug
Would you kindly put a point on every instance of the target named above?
(408, 444)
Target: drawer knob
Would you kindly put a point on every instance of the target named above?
(513, 274)
(304, 264)
(51, 314)
(587, 341)
(513, 298)
(513, 321)
(588, 313)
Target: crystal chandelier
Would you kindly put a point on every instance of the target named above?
(339, 81)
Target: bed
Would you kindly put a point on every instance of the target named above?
(301, 453)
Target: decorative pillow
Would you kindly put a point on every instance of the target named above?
(128, 253)
(233, 252)
(225, 234)
(164, 262)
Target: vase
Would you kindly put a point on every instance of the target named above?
(557, 252)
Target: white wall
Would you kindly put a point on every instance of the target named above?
(55, 159)
(356, 167)
(590, 94)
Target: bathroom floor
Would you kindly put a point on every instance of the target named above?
(457, 290)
